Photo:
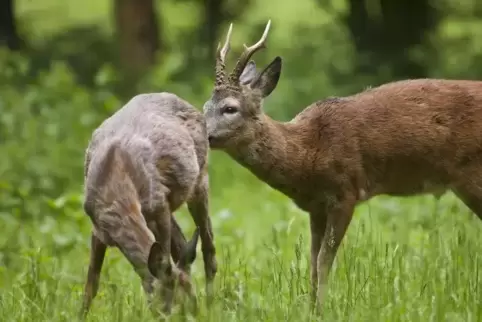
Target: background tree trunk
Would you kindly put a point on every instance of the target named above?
(8, 30)
(138, 34)
(386, 36)
(213, 18)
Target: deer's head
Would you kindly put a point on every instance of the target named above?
(235, 107)
(173, 281)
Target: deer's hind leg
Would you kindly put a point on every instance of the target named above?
(198, 206)
(97, 255)
(471, 195)
(130, 234)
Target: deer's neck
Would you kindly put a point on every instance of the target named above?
(273, 155)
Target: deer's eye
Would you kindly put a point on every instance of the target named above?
(228, 109)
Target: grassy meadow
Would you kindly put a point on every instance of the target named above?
(403, 259)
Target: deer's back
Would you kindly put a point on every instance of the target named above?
(163, 135)
(400, 138)
(165, 120)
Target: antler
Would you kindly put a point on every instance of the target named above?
(221, 57)
(246, 55)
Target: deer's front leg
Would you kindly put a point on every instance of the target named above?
(338, 218)
(178, 240)
(317, 227)
(159, 260)
(198, 206)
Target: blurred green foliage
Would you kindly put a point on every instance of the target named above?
(58, 89)
(54, 93)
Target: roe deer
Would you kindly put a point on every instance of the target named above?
(142, 164)
(402, 138)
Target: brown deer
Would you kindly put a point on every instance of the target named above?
(402, 138)
(141, 165)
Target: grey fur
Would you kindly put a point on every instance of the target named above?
(142, 164)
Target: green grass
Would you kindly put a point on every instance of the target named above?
(410, 259)
(403, 259)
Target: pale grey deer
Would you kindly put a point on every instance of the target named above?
(141, 165)
(402, 138)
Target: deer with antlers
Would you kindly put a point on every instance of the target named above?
(402, 138)
(141, 165)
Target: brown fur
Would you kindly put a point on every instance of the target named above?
(141, 165)
(402, 138)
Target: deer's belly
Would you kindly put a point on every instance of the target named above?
(406, 189)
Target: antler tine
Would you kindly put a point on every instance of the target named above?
(221, 58)
(246, 55)
(223, 52)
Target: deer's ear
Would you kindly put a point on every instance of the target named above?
(268, 79)
(157, 260)
(188, 254)
(249, 73)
